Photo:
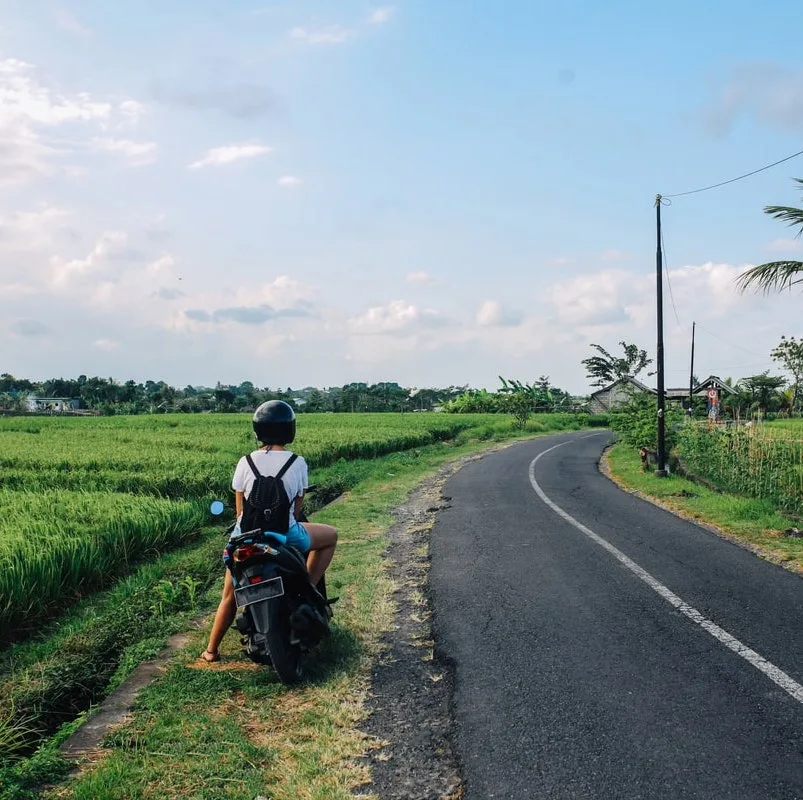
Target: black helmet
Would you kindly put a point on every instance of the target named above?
(275, 423)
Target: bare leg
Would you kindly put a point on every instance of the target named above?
(323, 539)
(226, 611)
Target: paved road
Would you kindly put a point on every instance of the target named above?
(574, 676)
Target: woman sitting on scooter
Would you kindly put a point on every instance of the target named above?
(274, 427)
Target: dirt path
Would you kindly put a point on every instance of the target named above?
(411, 687)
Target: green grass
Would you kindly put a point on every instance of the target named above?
(753, 521)
(80, 656)
(82, 500)
(230, 729)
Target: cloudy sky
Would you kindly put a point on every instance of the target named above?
(433, 192)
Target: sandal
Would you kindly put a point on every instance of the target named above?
(209, 656)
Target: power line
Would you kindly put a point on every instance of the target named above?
(668, 282)
(738, 347)
(748, 366)
(741, 177)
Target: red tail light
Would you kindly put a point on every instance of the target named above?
(247, 551)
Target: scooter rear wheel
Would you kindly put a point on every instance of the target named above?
(286, 657)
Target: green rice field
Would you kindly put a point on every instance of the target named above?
(82, 499)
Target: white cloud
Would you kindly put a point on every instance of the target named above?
(334, 34)
(493, 313)
(594, 298)
(289, 181)
(108, 246)
(131, 110)
(397, 317)
(137, 153)
(23, 98)
(161, 265)
(105, 344)
(784, 245)
(421, 278)
(29, 111)
(338, 34)
(613, 255)
(708, 290)
(32, 229)
(219, 156)
(67, 21)
(380, 15)
(559, 262)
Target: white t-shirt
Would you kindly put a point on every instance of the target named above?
(269, 462)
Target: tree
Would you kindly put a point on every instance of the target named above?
(787, 398)
(535, 396)
(790, 354)
(11, 401)
(634, 421)
(762, 390)
(316, 401)
(604, 368)
(8, 383)
(776, 275)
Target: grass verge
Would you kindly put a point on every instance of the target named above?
(748, 521)
(230, 729)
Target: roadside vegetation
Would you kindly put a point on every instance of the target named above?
(747, 481)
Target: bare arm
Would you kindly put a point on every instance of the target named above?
(297, 507)
(238, 503)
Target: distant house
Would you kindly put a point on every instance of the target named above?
(702, 389)
(622, 390)
(603, 400)
(54, 405)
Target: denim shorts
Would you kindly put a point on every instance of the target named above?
(298, 537)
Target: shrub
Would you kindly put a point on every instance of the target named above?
(636, 422)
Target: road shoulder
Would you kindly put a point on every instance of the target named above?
(773, 556)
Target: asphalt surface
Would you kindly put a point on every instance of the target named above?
(573, 677)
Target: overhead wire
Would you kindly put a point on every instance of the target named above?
(739, 178)
(669, 282)
(666, 200)
(738, 347)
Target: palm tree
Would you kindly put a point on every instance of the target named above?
(777, 274)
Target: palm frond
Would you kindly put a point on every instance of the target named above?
(775, 275)
(793, 216)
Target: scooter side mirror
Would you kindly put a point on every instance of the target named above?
(217, 507)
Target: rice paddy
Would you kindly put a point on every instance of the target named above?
(82, 499)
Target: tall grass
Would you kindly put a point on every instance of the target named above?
(82, 499)
(57, 545)
(764, 461)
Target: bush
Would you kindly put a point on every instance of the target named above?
(636, 422)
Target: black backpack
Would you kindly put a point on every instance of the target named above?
(267, 507)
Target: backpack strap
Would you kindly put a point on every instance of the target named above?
(257, 473)
(287, 465)
(280, 474)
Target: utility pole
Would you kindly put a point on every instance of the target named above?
(659, 285)
(691, 371)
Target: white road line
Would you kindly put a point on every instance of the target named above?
(759, 662)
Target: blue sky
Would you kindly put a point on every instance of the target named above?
(308, 193)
